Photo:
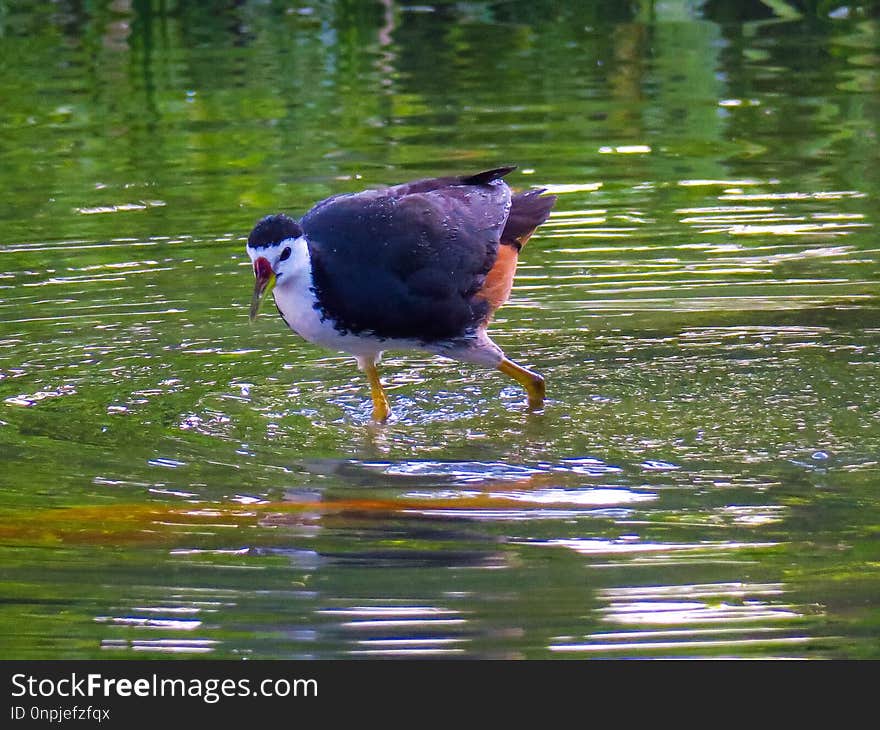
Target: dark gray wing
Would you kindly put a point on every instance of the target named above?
(406, 261)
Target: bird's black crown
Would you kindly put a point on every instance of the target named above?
(273, 229)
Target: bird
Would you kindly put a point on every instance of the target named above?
(422, 265)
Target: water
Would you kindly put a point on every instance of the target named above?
(703, 303)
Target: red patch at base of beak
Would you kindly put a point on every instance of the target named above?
(262, 268)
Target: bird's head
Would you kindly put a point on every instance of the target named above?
(275, 247)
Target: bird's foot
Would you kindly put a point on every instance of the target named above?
(537, 392)
(528, 379)
(381, 409)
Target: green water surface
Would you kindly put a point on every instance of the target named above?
(703, 303)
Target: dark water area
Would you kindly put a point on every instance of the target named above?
(703, 302)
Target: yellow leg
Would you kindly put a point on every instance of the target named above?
(381, 409)
(531, 381)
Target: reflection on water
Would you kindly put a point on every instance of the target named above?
(400, 630)
(703, 302)
(731, 619)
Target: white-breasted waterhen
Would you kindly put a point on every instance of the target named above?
(422, 266)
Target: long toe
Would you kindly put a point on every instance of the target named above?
(381, 411)
(537, 392)
(528, 379)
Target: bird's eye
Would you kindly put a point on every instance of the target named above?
(285, 254)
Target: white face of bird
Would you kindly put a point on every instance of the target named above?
(278, 264)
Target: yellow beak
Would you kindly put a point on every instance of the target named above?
(265, 282)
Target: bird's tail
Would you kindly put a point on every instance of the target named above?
(527, 211)
(487, 176)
